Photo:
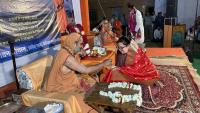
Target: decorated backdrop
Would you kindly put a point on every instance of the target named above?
(31, 24)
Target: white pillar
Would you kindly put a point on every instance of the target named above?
(77, 11)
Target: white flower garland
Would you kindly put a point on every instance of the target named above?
(53, 108)
(117, 96)
(124, 85)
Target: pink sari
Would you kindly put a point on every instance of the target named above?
(139, 69)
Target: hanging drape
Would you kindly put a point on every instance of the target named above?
(61, 15)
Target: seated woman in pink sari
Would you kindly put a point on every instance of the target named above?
(135, 66)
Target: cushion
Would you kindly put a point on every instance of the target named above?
(70, 102)
(24, 80)
(35, 72)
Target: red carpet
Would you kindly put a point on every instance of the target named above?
(179, 94)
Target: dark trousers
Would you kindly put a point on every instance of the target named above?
(148, 32)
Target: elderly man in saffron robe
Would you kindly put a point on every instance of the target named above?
(63, 76)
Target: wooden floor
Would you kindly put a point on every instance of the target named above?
(4, 91)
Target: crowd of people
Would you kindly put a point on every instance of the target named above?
(137, 22)
(154, 26)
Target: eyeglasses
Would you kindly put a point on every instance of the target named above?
(120, 47)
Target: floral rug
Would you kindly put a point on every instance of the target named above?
(177, 93)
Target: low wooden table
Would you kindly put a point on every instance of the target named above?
(102, 104)
(88, 60)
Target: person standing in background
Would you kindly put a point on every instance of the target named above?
(148, 20)
(135, 23)
(159, 21)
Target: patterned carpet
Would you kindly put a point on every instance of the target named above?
(178, 95)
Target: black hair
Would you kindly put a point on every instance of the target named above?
(100, 27)
(191, 30)
(100, 23)
(130, 5)
(124, 40)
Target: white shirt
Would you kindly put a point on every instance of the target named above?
(158, 34)
(139, 25)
